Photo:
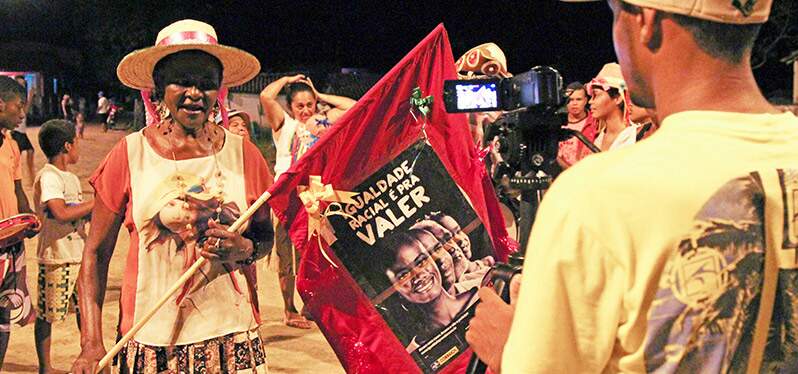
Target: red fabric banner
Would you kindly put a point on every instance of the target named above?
(373, 132)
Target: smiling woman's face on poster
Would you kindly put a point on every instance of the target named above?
(438, 252)
(414, 273)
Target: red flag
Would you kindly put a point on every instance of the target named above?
(373, 132)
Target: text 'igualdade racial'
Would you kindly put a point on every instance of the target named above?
(386, 204)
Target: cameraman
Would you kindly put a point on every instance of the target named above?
(613, 275)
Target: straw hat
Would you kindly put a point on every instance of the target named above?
(135, 70)
(722, 11)
(483, 60)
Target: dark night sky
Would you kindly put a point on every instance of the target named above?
(574, 38)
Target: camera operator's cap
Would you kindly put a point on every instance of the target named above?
(481, 61)
(135, 70)
(609, 77)
(722, 11)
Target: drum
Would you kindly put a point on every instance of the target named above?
(16, 228)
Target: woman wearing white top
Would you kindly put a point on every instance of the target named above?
(609, 106)
(287, 129)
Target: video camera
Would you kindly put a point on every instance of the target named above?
(541, 86)
(529, 130)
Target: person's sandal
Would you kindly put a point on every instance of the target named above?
(297, 321)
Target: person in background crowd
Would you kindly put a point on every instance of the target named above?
(80, 124)
(20, 134)
(68, 107)
(578, 119)
(103, 106)
(12, 202)
(239, 123)
(82, 106)
(58, 196)
(680, 257)
(609, 105)
(293, 134)
(177, 185)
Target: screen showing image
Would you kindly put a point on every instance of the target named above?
(477, 96)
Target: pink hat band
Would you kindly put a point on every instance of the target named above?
(188, 37)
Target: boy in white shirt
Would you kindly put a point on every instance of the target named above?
(59, 200)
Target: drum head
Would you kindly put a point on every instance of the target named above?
(14, 228)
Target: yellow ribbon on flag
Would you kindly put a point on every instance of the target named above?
(312, 196)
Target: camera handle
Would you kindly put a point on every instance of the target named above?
(582, 138)
(501, 275)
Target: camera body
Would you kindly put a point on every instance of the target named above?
(528, 143)
(540, 86)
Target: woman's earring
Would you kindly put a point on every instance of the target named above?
(163, 111)
(214, 113)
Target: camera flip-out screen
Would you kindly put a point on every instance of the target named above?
(471, 95)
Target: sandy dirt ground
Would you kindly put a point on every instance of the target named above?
(288, 350)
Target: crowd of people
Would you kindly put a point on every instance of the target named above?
(608, 286)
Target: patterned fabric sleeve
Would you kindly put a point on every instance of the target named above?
(111, 180)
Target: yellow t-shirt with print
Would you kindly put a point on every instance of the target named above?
(636, 250)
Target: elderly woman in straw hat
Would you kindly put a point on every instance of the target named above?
(176, 185)
(609, 104)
